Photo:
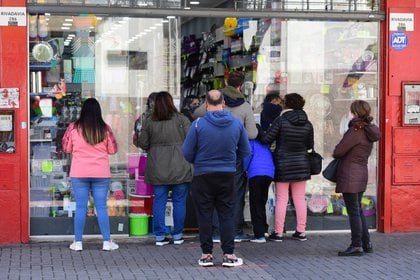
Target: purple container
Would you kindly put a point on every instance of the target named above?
(142, 164)
(142, 188)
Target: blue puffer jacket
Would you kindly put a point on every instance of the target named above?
(260, 161)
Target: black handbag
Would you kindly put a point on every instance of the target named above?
(315, 161)
(330, 172)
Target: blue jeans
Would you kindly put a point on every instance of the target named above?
(179, 201)
(99, 189)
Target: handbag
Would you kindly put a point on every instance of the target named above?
(315, 162)
(330, 172)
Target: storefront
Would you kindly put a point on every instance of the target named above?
(120, 55)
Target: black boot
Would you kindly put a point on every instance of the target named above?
(351, 251)
(367, 247)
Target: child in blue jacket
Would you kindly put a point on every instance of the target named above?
(260, 168)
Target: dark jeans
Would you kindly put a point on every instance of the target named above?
(359, 231)
(239, 197)
(258, 194)
(214, 191)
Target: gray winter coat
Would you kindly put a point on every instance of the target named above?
(353, 151)
(163, 141)
(294, 136)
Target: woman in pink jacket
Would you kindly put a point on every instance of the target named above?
(90, 140)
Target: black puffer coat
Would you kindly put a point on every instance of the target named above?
(294, 136)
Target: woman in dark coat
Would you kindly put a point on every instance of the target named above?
(352, 173)
(294, 136)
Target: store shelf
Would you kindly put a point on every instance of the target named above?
(352, 99)
(40, 140)
(355, 73)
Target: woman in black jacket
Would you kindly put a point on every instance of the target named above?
(294, 136)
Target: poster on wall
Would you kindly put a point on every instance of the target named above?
(9, 98)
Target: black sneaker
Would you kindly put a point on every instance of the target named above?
(276, 237)
(299, 236)
(206, 260)
(163, 242)
(231, 261)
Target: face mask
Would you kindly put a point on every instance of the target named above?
(193, 107)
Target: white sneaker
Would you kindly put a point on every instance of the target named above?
(110, 245)
(178, 241)
(76, 246)
(232, 261)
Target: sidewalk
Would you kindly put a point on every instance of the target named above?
(396, 256)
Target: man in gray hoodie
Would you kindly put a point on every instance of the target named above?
(235, 102)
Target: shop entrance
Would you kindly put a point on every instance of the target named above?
(121, 60)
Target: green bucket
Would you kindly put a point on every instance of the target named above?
(139, 224)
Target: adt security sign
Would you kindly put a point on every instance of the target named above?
(399, 40)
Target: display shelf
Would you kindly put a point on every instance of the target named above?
(40, 140)
(353, 99)
(356, 72)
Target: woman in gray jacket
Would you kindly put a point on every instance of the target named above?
(162, 134)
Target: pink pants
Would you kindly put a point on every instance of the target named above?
(282, 197)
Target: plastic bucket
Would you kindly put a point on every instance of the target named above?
(142, 188)
(142, 164)
(140, 204)
(139, 224)
(132, 163)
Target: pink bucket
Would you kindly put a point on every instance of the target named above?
(142, 188)
(142, 164)
(133, 163)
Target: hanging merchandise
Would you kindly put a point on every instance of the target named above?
(229, 26)
(243, 24)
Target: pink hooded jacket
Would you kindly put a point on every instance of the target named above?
(88, 161)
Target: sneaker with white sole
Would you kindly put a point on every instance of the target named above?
(276, 237)
(258, 240)
(178, 241)
(206, 260)
(301, 236)
(76, 246)
(231, 261)
(163, 242)
(109, 246)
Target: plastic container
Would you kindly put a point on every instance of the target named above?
(142, 164)
(139, 224)
(140, 204)
(142, 188)
(132, 163)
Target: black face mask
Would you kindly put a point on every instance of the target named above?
(193, 108)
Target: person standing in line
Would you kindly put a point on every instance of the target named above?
(271, 109)
(260, 169)
(189, 105)
(214, 144)
(90, 140)
(235, 102)
(150, 104)
(294, 136)
(161, 136)
(353, 152)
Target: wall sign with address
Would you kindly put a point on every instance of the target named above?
(12, 16)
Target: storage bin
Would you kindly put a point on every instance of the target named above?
(132, 163)
(139, 224)
(140, 204)
(142, 164)
(142, 188)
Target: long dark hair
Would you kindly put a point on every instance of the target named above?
(164, 107)
(90, 122)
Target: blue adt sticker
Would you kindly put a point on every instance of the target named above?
(399, 40)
